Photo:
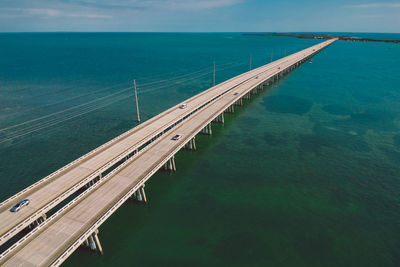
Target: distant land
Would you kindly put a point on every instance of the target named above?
(324, 36)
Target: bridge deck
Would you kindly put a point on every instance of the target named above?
(53, 189)
(52, 240)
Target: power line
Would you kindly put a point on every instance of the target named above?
(61, 111)
(63, 120)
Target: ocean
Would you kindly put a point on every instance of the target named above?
(306, 173)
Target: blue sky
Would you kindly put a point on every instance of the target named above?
(200, 15)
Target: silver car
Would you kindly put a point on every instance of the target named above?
(183, 106)
(20, 205)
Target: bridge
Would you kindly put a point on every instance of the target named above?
(68, 206)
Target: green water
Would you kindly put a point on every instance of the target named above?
(306, 173)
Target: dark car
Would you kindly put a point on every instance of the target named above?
(177, 137)
(20, 205)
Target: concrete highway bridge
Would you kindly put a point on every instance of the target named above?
(68, 206)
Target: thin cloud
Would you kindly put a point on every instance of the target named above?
(46, 13)
(198, 4)
(376, 5)
(155, 4)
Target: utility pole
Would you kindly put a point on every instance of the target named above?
(285, 52)
(214, 75)
(137, 104)
(250, 63)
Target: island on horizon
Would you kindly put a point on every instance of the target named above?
(324, 36)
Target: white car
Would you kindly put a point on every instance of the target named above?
(177, 137)
(183, 106)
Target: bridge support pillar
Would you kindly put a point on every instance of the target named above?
(170, 165)
(220, 118)
(92, 244)
(239, 102)
(230, 109)
(140, 194)
(207, 130)
(143, 193)
(97, 241)
(191, 145)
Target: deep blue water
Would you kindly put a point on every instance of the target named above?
(305, 174)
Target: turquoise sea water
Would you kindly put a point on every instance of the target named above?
(305, 174)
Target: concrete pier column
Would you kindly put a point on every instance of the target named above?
(143, 193)
(204, 130)
(97, 241)
(173, 163)
(188, 145)
(207, 130)
(92, 244)
(138, 195)
(170, 165)
(219, 118)
(191, 145)
(194, 138)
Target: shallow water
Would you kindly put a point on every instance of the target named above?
(306, 173)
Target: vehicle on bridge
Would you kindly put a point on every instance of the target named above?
(20, 205)
(183, 106)
(177, 137)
